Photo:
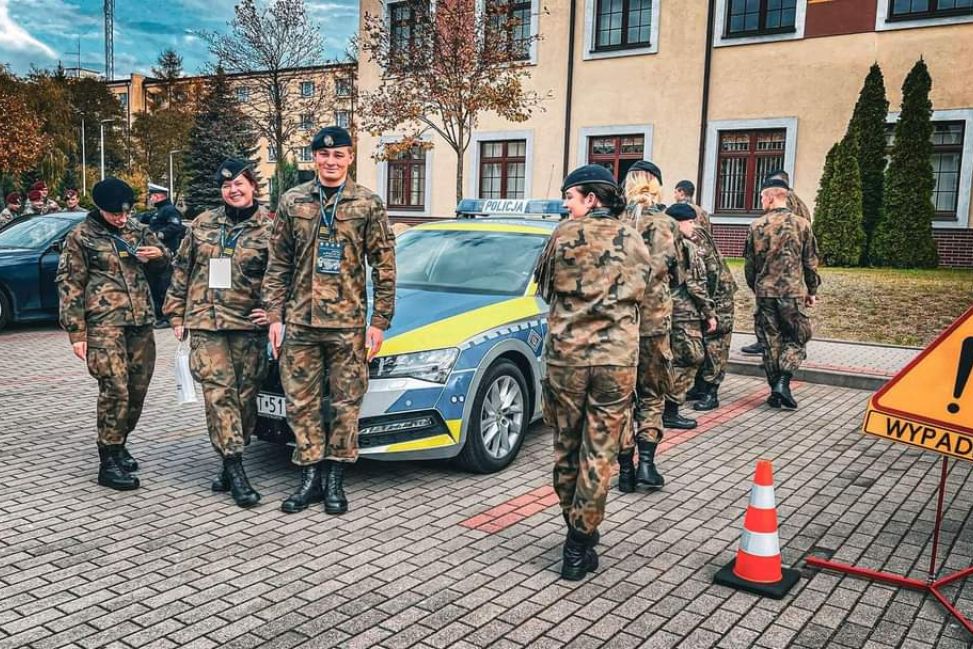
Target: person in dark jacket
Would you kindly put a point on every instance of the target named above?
(166, 223)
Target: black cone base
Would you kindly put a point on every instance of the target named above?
(725, 577)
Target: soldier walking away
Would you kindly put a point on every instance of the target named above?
(683, 193)
(592, 274)
(166, 222)
(12, 210)
(106, 308)
(324, 233)
(46, 205)
(796, 207)
(72, 202)
(659, 233)
(693, 314)
(781, 261)
(215, 294)
(720, 286)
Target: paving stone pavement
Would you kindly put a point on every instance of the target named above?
(173, 565)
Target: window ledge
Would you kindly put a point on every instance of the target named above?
(722, 39)
(638, 50)
(884, 22)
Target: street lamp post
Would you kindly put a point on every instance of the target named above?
(171, 182)
(84, 166)
(103, 122)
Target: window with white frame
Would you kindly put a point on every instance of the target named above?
(123, 100)
(307, 122)
(306, 155)
(744, 159)
(407, 180)
(342, 87)
(342, 118)
(509, 24)
(928, 9)
(307, 89)
(948, 139)
(243, 94)
(503, 169)
(622, 24)
(759, 17)
(617, 153)
(271, 153)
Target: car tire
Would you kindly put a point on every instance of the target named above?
(499, 420)
(6, 311)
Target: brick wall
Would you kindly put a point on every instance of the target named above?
(955, 246)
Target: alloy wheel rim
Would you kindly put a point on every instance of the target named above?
(502, 417)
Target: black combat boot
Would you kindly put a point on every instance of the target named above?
(756, 348)
(334, 489)
(672, 419)
(126, 461)
(709, 401)
(774, 399)
(698, 391)
(647, 476)
(626, 472)
(111, 474)
(243, 494)
(782, 389)
(579, 556)
(309, 492)
(221, 483)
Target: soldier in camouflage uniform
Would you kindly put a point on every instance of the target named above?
(592, 274)
(691, 308)
(72, 201)
(12, 210)
(654, 378)
(325, 231)
(229, 338)
(720, 286)
(106, 308)
(781, 261)
(46, 205)
(683, 193)
(35, 204)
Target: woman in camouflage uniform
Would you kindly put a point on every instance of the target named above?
(215, 293)
(592, 274)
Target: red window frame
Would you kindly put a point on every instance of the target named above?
(753, 158)
(506, 161)
(613, 161)
(412, 167)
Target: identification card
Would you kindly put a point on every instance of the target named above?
(329, 257)
(220, 275)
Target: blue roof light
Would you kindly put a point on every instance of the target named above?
(471, 207)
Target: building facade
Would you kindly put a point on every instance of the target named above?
(715, 91)
(140, 94)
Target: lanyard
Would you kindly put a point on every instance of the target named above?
(327, 216)
(228, 246)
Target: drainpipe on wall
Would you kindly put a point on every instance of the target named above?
(569, 90)
(704, 111)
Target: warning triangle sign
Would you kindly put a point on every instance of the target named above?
(930, 402)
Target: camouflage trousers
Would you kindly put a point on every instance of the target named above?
(122, 359)
(783, 326)
(230, 365)
(687, 357)
(653, 381)
(306, 354)
(716, 348)
(589, 409)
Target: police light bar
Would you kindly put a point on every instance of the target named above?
(509, 207)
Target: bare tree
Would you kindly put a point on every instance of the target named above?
(273, 43)
(443, 69)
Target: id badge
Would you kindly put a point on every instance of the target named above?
(220, 275)
(329, 257)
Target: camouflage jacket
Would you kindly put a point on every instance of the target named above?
(781, 256)
(702, 216)
(797, 206)
(99, 286)
(720, 284)
(190, 301)
(660, 234)
(691, 300)
(293, 289)
(6, 216)
(592, 274)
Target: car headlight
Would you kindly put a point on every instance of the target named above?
(433, 365)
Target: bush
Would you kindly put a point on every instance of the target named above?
(838, 217)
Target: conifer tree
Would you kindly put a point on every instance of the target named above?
(903, 239)
(221, 130)
(838, 227)
(867, 126)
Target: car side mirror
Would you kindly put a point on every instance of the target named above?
(57, 247)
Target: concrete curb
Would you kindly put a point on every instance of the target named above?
(857, 381)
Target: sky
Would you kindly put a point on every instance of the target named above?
(42, 32)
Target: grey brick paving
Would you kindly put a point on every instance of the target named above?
(173, 565)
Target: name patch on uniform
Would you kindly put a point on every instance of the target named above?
(220, 272)
(329, 257)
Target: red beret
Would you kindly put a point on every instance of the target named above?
(39, 186)
(14, 197)
(34, 195)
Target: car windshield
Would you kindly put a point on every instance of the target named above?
(33, 233)
(467, 261)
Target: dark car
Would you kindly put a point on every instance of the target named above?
(29, 252)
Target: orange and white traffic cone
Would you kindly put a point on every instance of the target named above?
(757, 567)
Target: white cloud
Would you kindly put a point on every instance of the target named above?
(15, 38)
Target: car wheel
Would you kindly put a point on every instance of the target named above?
(6, 312)
(499, 420)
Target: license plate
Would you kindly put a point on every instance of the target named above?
(271, 405)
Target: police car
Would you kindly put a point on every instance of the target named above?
(459, 373)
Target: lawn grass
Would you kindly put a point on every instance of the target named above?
(880, 305)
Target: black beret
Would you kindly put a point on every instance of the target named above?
(778, 172)
(113, 195)
(681, 212)
(589, 175)
(645, 165)
(771, 183)
(331, 137)
(686, 187)
(230, 169)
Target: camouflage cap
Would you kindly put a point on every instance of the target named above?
(113, 195)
